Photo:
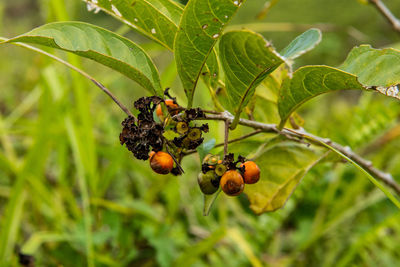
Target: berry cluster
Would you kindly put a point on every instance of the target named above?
(225, 173)
(145, 137)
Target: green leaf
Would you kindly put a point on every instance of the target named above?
(163, 25)
(282, 167)
(302, 44)
(209, 201)
(364, 68)
(247, 59)
(100, 45)
(374, 67)
(205, 148)
(310, 81)
(200, 27)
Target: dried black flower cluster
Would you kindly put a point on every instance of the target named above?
(146, 134)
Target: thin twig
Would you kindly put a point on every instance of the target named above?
(226, 137)
(175, 160)
(387, 14)
(301, 134)
(98, 84)
(211, 111)
(388, 137)
(189, 152)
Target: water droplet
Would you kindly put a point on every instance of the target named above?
(153, 31)
(205, 26)
(215, 36)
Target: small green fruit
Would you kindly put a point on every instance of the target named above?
(205, 182)
(194, 134)
(220, 169)
(182, 127)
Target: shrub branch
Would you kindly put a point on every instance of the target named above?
(296, 135)
(387, 14)
(300, 135)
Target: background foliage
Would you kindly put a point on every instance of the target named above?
(80, 192)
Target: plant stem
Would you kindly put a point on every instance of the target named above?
(229, 142)
(226, 137)
(296, 135)
(300, 135)
(98, 84)
(387, 14)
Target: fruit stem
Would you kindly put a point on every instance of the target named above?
(226, 141)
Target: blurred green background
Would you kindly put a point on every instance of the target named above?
(68, 186)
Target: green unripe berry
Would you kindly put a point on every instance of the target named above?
(182, 127)
(220, 169)
(205, 182)
(194, 134)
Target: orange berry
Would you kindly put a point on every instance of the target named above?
(170, 104)
(232, 183)
(159, 111)
(161, 162)
(151, 154)
(251, 173)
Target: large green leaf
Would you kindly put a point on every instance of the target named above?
(302, 44)
(247, 58)
(200, 27)
(100, 45)
(365, 68)
(157, 19)
(310, 81)
(282, 167)
(374, 67)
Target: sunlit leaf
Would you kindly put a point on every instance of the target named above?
(364, 68)
(200, 27)
(302, 44)
(100, 45)
(310, 81)
(247, 59)
(374, 67)
(164, 14)
(282, 166)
